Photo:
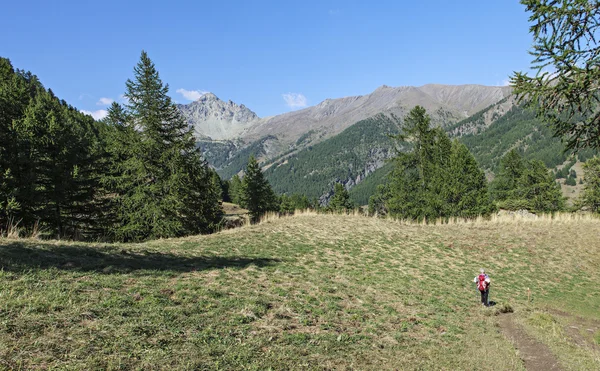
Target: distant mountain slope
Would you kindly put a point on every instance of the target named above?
(445, 103)
(228, 133)
(216, 119)
(347, 158)
(489, 135)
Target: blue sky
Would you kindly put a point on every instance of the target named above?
(272, 56)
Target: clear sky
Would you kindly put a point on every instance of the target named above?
(272, 56)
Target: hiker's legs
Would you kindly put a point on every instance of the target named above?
(484, 298)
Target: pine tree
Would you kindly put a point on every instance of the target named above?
(591, 192)
(50, 157)
(258, 196)
(538, 187)
(162, 186)
(236, 190)
(435, 178)
(522, 184)
(340, 202)
(564, 90)
(286, 205)
(57, 165)
(511, 169)
(467, 191)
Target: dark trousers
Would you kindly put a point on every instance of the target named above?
(484, 297)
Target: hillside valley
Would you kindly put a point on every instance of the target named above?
(308, 151)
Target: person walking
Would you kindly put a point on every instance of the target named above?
(483, 285)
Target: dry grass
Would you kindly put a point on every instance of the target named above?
(304, 292)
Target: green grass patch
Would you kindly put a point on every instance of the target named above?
(308, 292)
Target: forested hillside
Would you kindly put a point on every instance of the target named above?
(490, 134)
(348, 158)
(518, 129)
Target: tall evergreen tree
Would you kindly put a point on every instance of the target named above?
(49, 157)
(340, 202)
(236, 191)
(435, 178)
(512, 167)
(466, 186)
(591, 191)
(538, 187)
(258, 196)
(162, 185)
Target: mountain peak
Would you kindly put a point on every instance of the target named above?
(208, 96)
(211, 117)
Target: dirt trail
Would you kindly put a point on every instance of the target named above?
(535, 355)
(577, 326)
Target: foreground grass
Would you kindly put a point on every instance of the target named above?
(308, 292)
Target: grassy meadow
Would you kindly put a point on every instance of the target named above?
(305, 292)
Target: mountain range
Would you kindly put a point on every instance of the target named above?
(215, 119)
(347, 139)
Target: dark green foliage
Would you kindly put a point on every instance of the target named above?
(215, 184)
(340, 202)
(289, 204)
(228, 167)
(258, 196)
(565, 43)
(465, 187)
(236, 191)
(436, 178)
(360, 193)
(571, 181)
(591, 193)
(517, 129)
(314, 170)
(161, 187)
(225, 190)
(522, 184)
(51, 157)
(512, 168)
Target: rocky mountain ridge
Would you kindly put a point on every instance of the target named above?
(218, 120)
(215, 119)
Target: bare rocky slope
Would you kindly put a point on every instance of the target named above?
(215, 119)
(218, 120)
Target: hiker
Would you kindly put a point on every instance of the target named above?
(483, 285)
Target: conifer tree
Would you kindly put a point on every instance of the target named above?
(258, 196)
(162, 187)
(340, 202)
(286, 205)
(435, 178)
(538, 187)
(591, 191)
(522, 184)
(511, 169)
(236, 190)
(467, 190)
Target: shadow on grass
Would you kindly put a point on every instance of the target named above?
(21, 257)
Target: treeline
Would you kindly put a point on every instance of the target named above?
(136, 175)
(253, 192)
(440, 178)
